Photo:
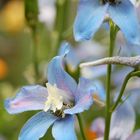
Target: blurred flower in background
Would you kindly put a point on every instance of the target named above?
(12, 16)
(91, 15)
(47, 12)
(122, 124)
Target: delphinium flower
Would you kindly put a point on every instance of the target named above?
(122, 124)
(59, 102)
(91, 14)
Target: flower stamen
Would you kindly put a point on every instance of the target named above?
(57, 101)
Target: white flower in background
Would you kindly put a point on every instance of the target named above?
(47, 11)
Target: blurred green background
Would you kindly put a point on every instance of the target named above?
(54, 24)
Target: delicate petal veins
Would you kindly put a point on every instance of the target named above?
(89, 18)
(124, 15)
(36, 127)
(28, 98)
(57, 75)
(123, 122)
(64, 129)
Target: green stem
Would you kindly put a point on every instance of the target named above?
(31, 14)
(127, 78)
(60, 22)
(35, 52)
(81, 126)
(113, 32)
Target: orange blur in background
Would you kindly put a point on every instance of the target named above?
(3, 69)
(91, 135)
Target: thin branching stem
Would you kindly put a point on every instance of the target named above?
(127, 78)
(113, 32)
(117, 60)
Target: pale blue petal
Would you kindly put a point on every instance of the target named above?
(36, 127)
(90, 16)
(100, 90)
(71, 59)
(64, 129)
(135, 136)
(57, 75)
(124, 15)
(65, 48)
(85, 86)
(123, 122)
(28, 98)
(124, 47)
(83, 104)
(83, 98)
(98, 126)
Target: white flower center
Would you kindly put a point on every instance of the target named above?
(56, 98)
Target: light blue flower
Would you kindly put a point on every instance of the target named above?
(91, 14)
(122, 124)
(59, 102)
